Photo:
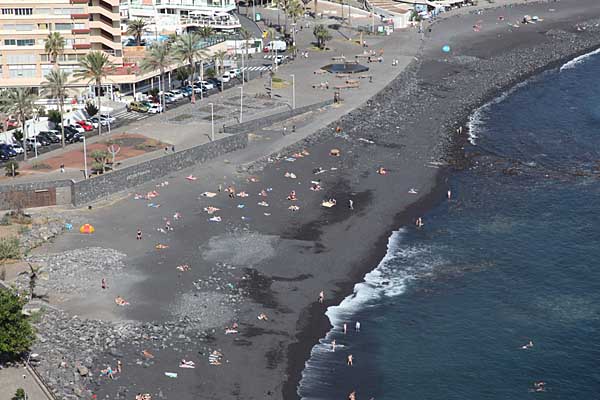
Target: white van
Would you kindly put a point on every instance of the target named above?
(276, 45)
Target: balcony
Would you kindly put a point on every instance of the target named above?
(79, 1)
(80, 16)
(80, 31)
(82, 46)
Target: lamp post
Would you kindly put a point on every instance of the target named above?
(241, 102)
(85, 168)
(212, 122)
(293, 91)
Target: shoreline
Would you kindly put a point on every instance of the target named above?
(322, 232)
(316, 323)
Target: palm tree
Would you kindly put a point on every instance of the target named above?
(295, 10)
(322, 35)
(219, 59)
(94, 67)
(246, 35)
(158, 58)
(55, 45)
(136, 29)
(20, 102)
(205, 32)
(55, 87)
(187, 50)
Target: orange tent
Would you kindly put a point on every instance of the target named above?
(86, 228)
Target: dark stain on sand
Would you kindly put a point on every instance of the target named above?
(258, 287)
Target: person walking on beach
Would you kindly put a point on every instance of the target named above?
(352, 395)
(357, 326)
(351, 204)
(321, 297)
(119, 366)
(449, 194)
(345, 328)
(104, 283)
(419, 222)
(350, 360)
(139, 234)
(333, 345)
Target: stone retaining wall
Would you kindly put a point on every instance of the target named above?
(116, 181)
(263, 122)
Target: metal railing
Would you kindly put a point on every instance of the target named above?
(232, 22)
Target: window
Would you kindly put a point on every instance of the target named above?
(42, 26)
(24, 27)
(63, 26)
(10, 42)
(20, 59)
(8, 11)
(78, 26)
(46, 69)
(25, 42)
(44, 11)
(23, 11)
(21, 71)
(68, 11)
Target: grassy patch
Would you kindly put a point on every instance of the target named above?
(216, 117)
(40, 165)
(9, 249)
(149, 145)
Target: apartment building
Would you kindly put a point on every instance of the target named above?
(86, 25)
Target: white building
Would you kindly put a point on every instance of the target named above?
(177, 16)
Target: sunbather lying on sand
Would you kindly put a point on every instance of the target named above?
(262, 317)
(242, 194)
(187, 364)
(211, 209)
(121, 301)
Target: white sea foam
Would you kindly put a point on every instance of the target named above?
(578, 60)
(401, 264)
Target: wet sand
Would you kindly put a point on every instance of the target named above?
(280, 262)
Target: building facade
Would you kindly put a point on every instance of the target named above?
(86, 25)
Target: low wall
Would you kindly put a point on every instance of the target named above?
(263, 122)
(62, 192)
(109, 183)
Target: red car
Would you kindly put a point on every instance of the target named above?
(86, 127)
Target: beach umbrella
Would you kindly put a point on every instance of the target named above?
(446, 48)
(86, 228)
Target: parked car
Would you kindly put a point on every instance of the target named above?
(17, 148)
(96, 120)
(225, 78)
(77, 127)
(31, 142)
(176, 94)
(169, 98)
(8, 150)
(49, 136)
(85, 125)
(207, 85)
(92, 123)
(108, 118)
(137, 106)
(70, 131)
(214, 81)
(4, 156)
(234, 73)
(73, 137)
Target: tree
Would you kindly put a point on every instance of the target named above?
(16, 333)
(315, 8)
(322, 35)
(94, 67)
(19, 394)
(182, 73)
(20, 102)
(54, 117)
(54, 46)
(187, 50)
(205, 32)
(136, 29)
(158, 58)
(55, 87)
(91, 109)
(295, 10)
(247, 36)
(100, 159)
(219, 58)
(283, 6)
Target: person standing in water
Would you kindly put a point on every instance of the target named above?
(321, 297)
(345, 328)
(357, 326)
(333, 345)
(449, 194)
(350, 360)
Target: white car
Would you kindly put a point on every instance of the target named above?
(234, 73)
(78, 128)
(108, 118)
(175, 94)
(33, 142)
(155, 109)
(225, 78)
(207, 85)
(92, 123)
(17, 148)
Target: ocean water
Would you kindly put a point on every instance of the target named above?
(513, 256)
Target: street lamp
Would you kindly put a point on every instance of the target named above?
(212, 122)
(241, 102)
(293, 91)
(85, 168)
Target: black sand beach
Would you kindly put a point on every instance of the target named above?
(277, 264)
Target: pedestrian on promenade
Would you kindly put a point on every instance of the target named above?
(62, 168)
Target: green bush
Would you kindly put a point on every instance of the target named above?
(91, 109)
(210, 73)
(19, 394)
(11, 167)
(54, 117)
(9, 248)
(16, 334)
(40, 165)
